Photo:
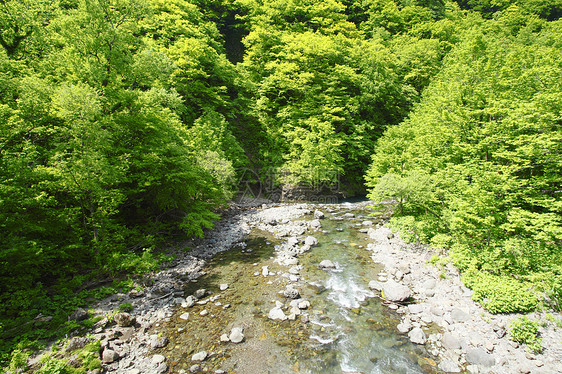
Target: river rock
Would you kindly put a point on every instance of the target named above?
(449, 366)
(124, 319)
(156, 343)
(367, 223)
(108, 356)
(190, 301)
(318, 214)
(277, 314)
(294, 270)
(327, 264)
(293, 241)
(395, 292)
(404, 326)
(349, 215)
(291, 293)
(450, 341)
(224, 338)
(291, 261)
(200, 293)
(415, 308)
(158, 359)
(479, 356)
(311, 241)
(375, 285)
(236, 335)
(315, 224)
(459, 315)
(223, 286)
(200, 356)
(417, 336)
(184, 316)
(305, 304)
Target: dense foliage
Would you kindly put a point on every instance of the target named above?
(126, 122)
(476, 167)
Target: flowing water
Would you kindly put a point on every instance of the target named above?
(349, 329)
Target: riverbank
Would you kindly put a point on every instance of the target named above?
(459, 333)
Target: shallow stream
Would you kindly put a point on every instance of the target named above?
(346, 329)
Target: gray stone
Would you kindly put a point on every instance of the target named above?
(200, 293)
(394, 291)
(224, 338)
(195, 368)
(264, 271)
(318, 214)
(305, 304)
(375, 285)
(79, 315)
(450, 341)
(223, 286)
(108, 356)
(158, 359)
(124, 319)
(311, 241)
(236, 335)
(315, 224)
(190, 301)
(415, 308)
(161, 368)
(277, 314)
(327, 264)
(404, 327)
(367, 223)
(200, 356)
(185, 316)
(429, 284)
(156, 343)
(449, 366)
(479, 356)
(459, 315)
(76, 343)
(436, 311)
(417, 336)
(291, 293)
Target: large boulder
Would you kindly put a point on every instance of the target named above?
(395, 292)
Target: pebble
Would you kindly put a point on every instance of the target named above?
(201, 356)
(185, 316)
(223, 286)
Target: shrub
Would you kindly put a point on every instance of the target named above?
(525, 331)
(500, 294)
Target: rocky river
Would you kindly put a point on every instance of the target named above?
(304, 288)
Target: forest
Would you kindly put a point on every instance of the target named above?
(126, 124)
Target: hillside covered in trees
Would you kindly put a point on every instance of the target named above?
(128, 123)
